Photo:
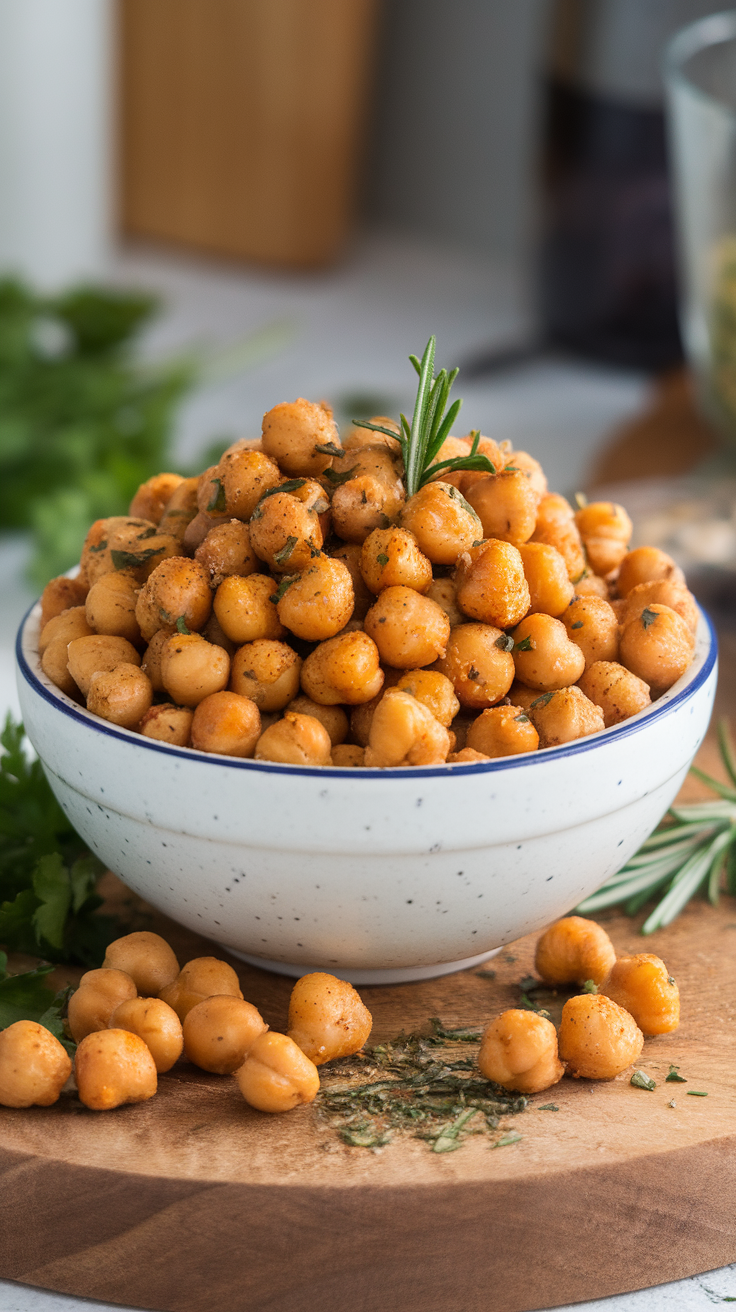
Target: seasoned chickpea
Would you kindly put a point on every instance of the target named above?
(227, 723)
(597, 1038)
(667, 593)
(276, 1076)
(62, 594)
(563, 716)
(647, 565)
(480, 670)
(67, 626)
(215, 634)
(153, 496)
(359, 436)
(227, 550)
(503, 731)
(658, 647)
(146, 957)
(151, 663)
(246, 608)
(544, 656)
(490, 584)
(180, 509)
(199, 528)
(154, 1022)
(201, 978)
(34, 1066)
(593, 626)
(344, 669)
(54, 664)
(192, 669)
(219, 1033)
(95, 559)
(350, 553)
(373, 494)
(110, 607)
(518, 1050)
(179, 588)
(531, 469)
(318, 603)
(506, 505)
(99, 993)
(590, 585)
(572, 951)
(113, 1067)
(466, 756)
(327, 1018)
(267, 672)
(442, 521)
(295, 740)
(605, 529)
(408, 629)
(643, 986)
(443, 592)
(404, 732)
(497, 454)
(521, 696)
(243, 477)
(285, 533)
(120, 696)
(390, 557)
(433, 690)
(135, 545)
(618, 692)
(167, 723)
(348, 756)
(333, 718)
(293, 430)
(550, 590)
(90, 656)
(556, 526)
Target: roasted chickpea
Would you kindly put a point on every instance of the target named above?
(243, 477)
(490, 584)
(480, 670)
(359, 436)
(67, 626)
(666, 593)
(442, 521)
(658, 647)
(519, 1051)
(110, 607)
(597, 1038)
(215, 634)
(151, 663)
(295, 740)
(146, 957)
(153, 496)
(61, 594)
(99, 993)
(285, 533)
(503, 731)
(593, 626)
(647, 565)
(267, 672)
(521, 696)
(226, 723)
(156, 1024)
(276, 1076)
(373, 495)
(408, 629)
(556, 526)
(227, 550)
(34, 1066)
(563, 716)
(120, 696)
(531, 469)
(180, 509)
(433, 690)
(292, 432)
(550, 590)
(496, 453)
(572, 951)
(350, 554)
(219, 1033)
(605, 529)
(179, 588)
(201, 978)
(135, 545)
(113, 1067)
(618, 692)
(348, 756)
(192, 669)
(246, 609)
(333, 718)
(318, 603)
(404, 732)
(90, 656)
(506, 505)
(327, 1018)
(443, 592)
(467, 756)
(95, 559)
(344, 669)
(544, 656)
(391, 558)
(54, 664)
(643, 986)
(590, 585)
(168, 724)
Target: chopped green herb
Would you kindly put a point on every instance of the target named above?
(529, 983)
(181, 626)
(548, 1107)
(473, 674)
(486, 974)
(579, 577)
(510, 469)
(577, 625)
(526, 644)
(671, 979)
(672, 1076)
(544, 700)
(337, 479)
(521, 719)
(505, 642)
(695, 1093)
(363, 1138)
(382, 559)
(101, 546)
(507, 1139)
(330, 449)
(642, 1081)
(286, 551)
(648, 617)
(217, 501)
(291, 485)
(132, 559)
(147, 533)
(590, 986)
(285, 583)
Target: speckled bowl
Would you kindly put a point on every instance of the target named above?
(375, 875)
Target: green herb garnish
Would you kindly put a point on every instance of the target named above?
(285, 583)
(521, 719)
(544, 700)
(217, 501)
(696, 1093)
(590, 986)
(337, 479)
(648, 617)
(507, 1139)
(382, 559)
(132, 559)
(286, 551)
(28, 997)
(330, 449)
(181, 626)
(577, 625)
(505, 642)
(672, 1077)
(473, 674)
(642, 1081)
(548, 1107)
(526, 644)
(291, 485)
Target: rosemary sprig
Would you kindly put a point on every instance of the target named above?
(421, 440)
(694, 849)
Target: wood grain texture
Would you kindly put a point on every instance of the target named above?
(241, 123)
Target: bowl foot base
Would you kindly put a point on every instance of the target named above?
(357, 975)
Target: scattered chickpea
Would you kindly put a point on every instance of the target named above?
(443, 592)
(34, 1066)
(550, 590)
(113, 1067)
(121, 696)
(597, 1038)
(276, 1076)
(544, 656)
(347, 756)
(99, 993)
(167, 723)
(110, 606)
(192, 668)
(67, 626)
(293, 430)
(156, 1024)
(404, 732)
(244, 475)
(246, 610)
(409, 630)
(201, 978)
(574, 950)
(667, 593)
(318, 603)
(285, 533)
(658, 647)
(647, 565)
(327, 1017)
(180, 509)
(478, 665)
(267, 672)
(219, 1033)
(518, 1050)
(593, 626)
(433, 690)
(503, 731)
(564, 716)
(350, 554)
(442, 521)
(506, 504)
(153, 496)
(62, 594)
(390, 557)
(226, 551)
(605, 529)
(467, 756)
(55, 665)
(490, 584)
(96, 653)
(343, 669)
(333, 718)
(619, 693)
(643, 985)
(146, 957)
(151, 663)
(178, 589)
(226, 723)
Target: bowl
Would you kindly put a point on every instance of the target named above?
(373, 875)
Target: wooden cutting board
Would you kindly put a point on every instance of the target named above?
(193, 1201)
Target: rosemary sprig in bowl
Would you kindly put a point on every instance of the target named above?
(693, 848)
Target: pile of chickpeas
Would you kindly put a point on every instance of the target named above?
(292, 604)
(134, 1017)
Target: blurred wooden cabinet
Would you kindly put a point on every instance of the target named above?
(242, 123)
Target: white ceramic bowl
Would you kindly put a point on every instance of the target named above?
(376, 875)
